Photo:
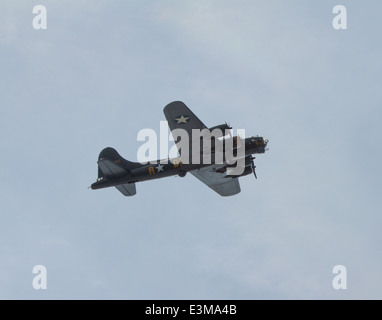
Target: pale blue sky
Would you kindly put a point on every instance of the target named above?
(103, 70)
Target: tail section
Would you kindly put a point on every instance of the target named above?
(111, 169)
(113, 156)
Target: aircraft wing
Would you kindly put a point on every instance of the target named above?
(179, 116)
(217, 181)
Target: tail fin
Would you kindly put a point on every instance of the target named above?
(113, 155)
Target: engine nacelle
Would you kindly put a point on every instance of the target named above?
(247, 170)
(222, 128)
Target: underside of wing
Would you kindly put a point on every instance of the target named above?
(179, 116)
(225, 186)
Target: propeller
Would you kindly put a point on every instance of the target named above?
(253, 166)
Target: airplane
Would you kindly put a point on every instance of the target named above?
(114, 170)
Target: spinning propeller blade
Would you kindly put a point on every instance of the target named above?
(253, 167)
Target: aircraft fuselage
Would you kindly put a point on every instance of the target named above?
(171, 167)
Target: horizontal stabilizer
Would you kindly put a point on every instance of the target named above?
(127, 189)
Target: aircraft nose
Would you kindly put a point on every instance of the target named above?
(265, 141)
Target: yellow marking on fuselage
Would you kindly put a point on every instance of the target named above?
(151, 170)
(177, 163)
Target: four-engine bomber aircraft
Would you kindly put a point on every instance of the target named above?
(113, 170)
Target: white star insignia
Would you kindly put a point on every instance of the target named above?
(182, 119)
(159, 167)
